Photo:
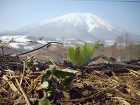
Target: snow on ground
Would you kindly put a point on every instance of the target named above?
(109, 42)
(15, 38)
(42, 42)
(26, 43)
(16, 41)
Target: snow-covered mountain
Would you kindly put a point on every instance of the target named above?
(82, 26)
(85, 21)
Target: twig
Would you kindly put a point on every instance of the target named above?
(23, 72)
(127, 97)
(50, 60)
(7, 43)
(48, 45)
(132, 71)
(134, 91)
(31, 36)
(10, 84)
(21, 89)
(116, 77)
(27, 82)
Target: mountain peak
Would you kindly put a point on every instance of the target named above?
(86, 21)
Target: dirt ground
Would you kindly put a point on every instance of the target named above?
(97, 84)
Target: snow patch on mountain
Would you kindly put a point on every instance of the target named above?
(86, 20)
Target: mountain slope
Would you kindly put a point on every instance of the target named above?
(83, 26)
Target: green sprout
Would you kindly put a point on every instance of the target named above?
(52, 84)
(80, 53)
(44, 101)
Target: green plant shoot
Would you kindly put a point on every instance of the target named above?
(80, 53)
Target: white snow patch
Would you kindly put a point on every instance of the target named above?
(58, 39)
(42, 42)
(71, 39)
(109, 42)
(15, 38)
(81, 43)
(28, 47)
(89, 41)
(14, 45)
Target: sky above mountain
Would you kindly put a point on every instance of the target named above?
(15, 14)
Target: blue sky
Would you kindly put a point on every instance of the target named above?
(15, 14)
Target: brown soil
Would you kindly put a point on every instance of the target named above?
(98, 84)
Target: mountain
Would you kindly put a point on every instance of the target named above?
(82, 26)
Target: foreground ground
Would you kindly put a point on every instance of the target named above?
(97, 84)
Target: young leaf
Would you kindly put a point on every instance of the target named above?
(50, 93)
(47, 75)
(45, 85)
(44, 101)
(86, 51)
(48, 72)
(69, 86)
(71, 53)
(95, 47)
(70, 71)
(67, 80)
(62, 74)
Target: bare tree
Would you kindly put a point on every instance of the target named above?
(123, 41)
(126, 39)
